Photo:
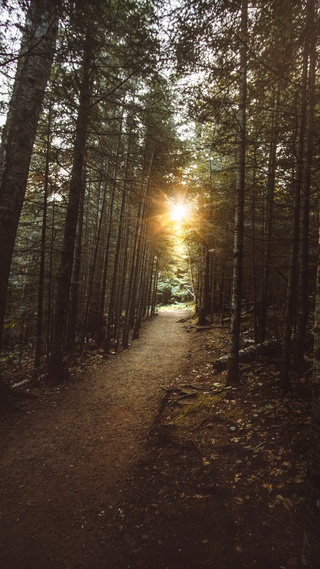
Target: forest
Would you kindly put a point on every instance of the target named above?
(160, 152)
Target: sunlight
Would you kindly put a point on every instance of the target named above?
(179, 212)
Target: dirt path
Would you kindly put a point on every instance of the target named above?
(66, 457)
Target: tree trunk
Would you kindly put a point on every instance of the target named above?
(233, 365)
(136, 257)
(311, 542)
(303, 291)
(204, 297)
(76, 274)
(34, 65)
(99, 224)
(41, 288)
(57, 370)
(114, 310)
(132, 286)
(297, 184)
(155, 286)
(269, 219)
(102, 299)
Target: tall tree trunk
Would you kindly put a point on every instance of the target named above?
(99, 223)
(101, 336)
(33, 70)
(132, 285)
(57, 370)
(253, 275)
(41, 291)
(303, 292)
(233, 363)
(155, 286)
(75, 281)
(269, 219)
(204, 297)
(136, 256)
(123, 267)
(102, 299)
(311, 542)
(297, 184)
(114, 311)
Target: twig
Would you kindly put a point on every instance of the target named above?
(185, 396)
(271, 433)
(190, 386)
(280, 522)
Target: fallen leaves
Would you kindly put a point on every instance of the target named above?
(241, 439)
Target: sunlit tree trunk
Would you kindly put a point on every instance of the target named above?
(233, 363)
(33, 70)
(152, 283)
(204, 297)
(155, 286)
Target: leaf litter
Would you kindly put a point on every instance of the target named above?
(229, 464)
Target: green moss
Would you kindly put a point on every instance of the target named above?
(203, 401)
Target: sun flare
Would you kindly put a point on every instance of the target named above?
(178, 212)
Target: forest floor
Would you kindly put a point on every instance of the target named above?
(144, 460)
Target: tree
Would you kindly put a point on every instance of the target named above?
(311, 543)
(304, 284)
(57, 370)
(33, 70)
(233, 364)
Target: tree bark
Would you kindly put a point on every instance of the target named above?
(311, 542)
(33, 70)
(297, 184)
(233, 365)
(269, 219)
(303, 289)
(41, 287)
(204, 297)
(75, 288)
(115, 309)
(56, 368)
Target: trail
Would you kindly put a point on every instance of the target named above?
(64, 458)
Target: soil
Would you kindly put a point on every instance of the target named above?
(144, 460)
